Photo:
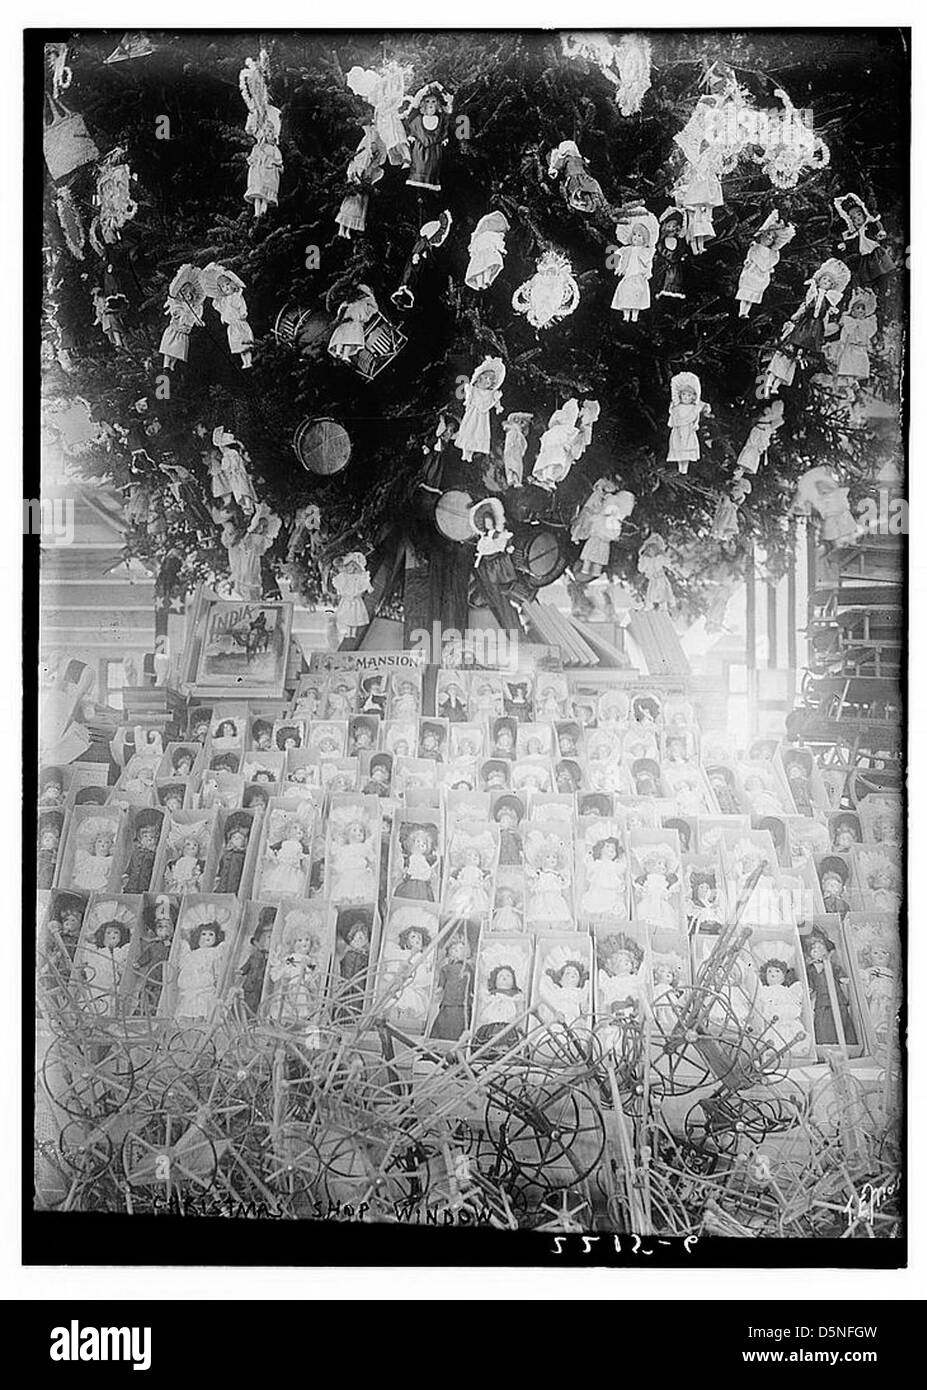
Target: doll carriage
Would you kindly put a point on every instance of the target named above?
(382, 344)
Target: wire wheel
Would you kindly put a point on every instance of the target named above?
(552, 1133)
(88, 1078)
(168, 1152)
(87, 1154)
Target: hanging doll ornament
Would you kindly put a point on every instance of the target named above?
(226, 290)
(184, 308)
(515, 427)
(427, 124)
(633, 58)
(758, 440)
(264, 164)
(559, 444)
(494, 542)
(385, 91)
(588, 417)
(598, 525)
(431, 237)
(761, 260)
(653, 563)
(486, 250)
(637, 236)
(698, 193)
(350, 582)
(246, 548)
(107, 312)
(861, 241)
(364, 170)
(252, 83)
(813, 321)
(482, 394)
(818, 490)
(229, 472)
(858, 327)
(550, 295)
(113, 197)
(685, 414)
(70, 222)
(580, 191)
(726, 522)
(670, 251)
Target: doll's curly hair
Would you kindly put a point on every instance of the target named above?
(615, 942)
(406, 932)
(493, 977)
(607, 840)
(195, 935)
(788, 974)
(123, 928)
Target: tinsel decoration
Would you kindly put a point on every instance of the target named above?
(71, 222)
(550, 295)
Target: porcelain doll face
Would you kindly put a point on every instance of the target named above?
(620, 963)
(414, 940)
(183, 766)
(379, 774)
(505, 980)
(164, 930)
(362, 738)
(401, 748)
(687, 396)
(608, 850)
(419, 842)
(857, 216)
(831, 885)
(201, 729)
(825, 281)
(112, 937)
(550, 863)
(505, 897)
(406, 688)
(639, 235)
(494, 779)
(147, 838)
(506, 818)
(103, 846)
(774, 975)
(49, 839)
(881, 956)
(70, 921)
(207, 937)
(358, 940)
(485, 381)
(51, 793)
(259, 800)
(429, 106)
(473, 859)
(237, 840)
(570, 977)
(568, 745)
(504, 740)
(190, 847)
(356, 832)
(303, 944)
(885, 830)
(767, 238)
(663, 975)
(456, 949)
(818, 951)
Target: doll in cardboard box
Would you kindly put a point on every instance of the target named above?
(407, 972)
(101, 963)
(49, 839)
(352, 855)
(606, 880)
(547, 859)
(159, 918)
(454, 988)
(296, 967)
(146, 835)
(201, 961)
(470, 879)
(418, 848)
(231, 866)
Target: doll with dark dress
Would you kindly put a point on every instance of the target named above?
(672, 248)
(452, 702)
(156, 949)
(379, 775)
(427, 123)
(252, 973)
(861, 241)
(820, 960)
(262, 735)
(798, 764)
(418, 845)
(833, 873)
(231, 864)
(721, 781)
(508, 813)
(373, 695)
(431, 742)
(50, 825)
(504, 734)
(355, 930)
(845, 832)
(147, 828)
(516, 700)
(432, 235)
(455, 986)
(503, 1005)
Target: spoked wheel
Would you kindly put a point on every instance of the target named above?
(292, 1165)
(552, 1133)
(163, 1150)
(191, 1051)
(722, 1122)
(88, 1078)
(87, 1153)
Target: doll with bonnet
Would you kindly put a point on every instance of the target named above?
(385, 91)
(295, 967)
(685, 413)
(482, 395)
(265, 163)
(547, 859)
(427, 124)
(813, 320)
(754, 450)
(350, 582)
(487, 250)
(352, 856)
(184, 308)
(858, 327)
(726, 522)
(652, 563)
(364, 170)
(761, 260)
(598, 525)
(637, 236)
(202, 955)
(558, 449)
(580, 191)
(515, 427)
(861, 241)
(494, 542)
(227, 292)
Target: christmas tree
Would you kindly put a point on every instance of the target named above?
(178, 115)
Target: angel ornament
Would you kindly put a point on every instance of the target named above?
(637, 235)
(229, 472)
(761, 260)
(862, 239)
(184, 308)
(482, 394)
(598, 525)
(559, 444)
(227, 293)
(753, 452)
(350, 581)
(550, 295)
(652, 563)
(486, 250)
(686, 411)
(580, 191)
(385, 91)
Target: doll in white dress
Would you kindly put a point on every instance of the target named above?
(858, 327)
(656, 888)
(184, 305)
(515, 428)
(685, 414)
(407, 966)
(364, 170)
(761, 260)
(348, 338)
(295, 969)
(637, 236)
(620, 990)
(598, 524)
(350, 581)
(352, 859)
(482, 395)
(200, 971)
(506, 916)
(105, 956)
(564, 991)
(487, 250)
(779, 1000)
(285, 864)
(93, 865)
(559, 443)
(546, 856)
(606, 879)
(229, 302)
(264, 164)
(878, 959)
(186, 871)
(753, 452)
(228, 467)
(385, 91)
(653, 562)
(698, 193)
